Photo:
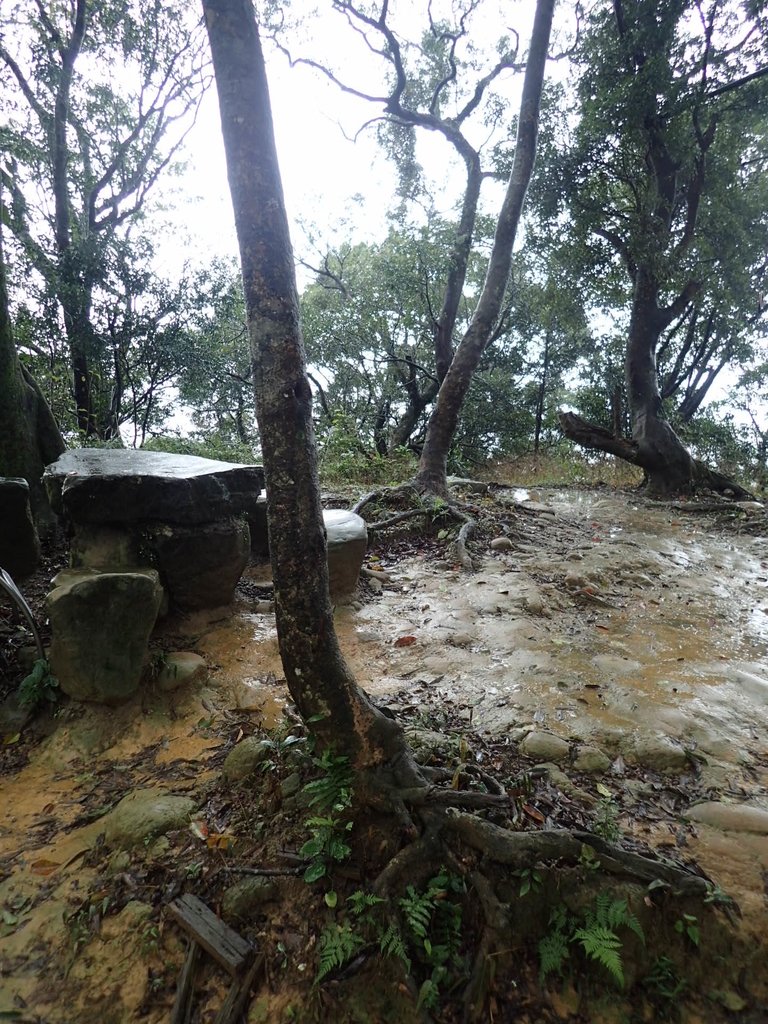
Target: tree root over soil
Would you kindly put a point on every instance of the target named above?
(447, 830)
(428, 507)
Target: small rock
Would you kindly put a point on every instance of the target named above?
(145, 814)
(545, 746)
(730, 817)
(460, 639)
(501, 544)
(290, 785)
(241, 899)
(243, 759)
(659, 753)
(591, 759)
(264, 607)
(558, 778)
(180, 669)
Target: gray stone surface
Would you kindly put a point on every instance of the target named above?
(145, 814)
(347, 539)
(19, 543)
(591, 759)
(657, 752)
(730, 817)
(92, 485)
(181, 668)
(244, 758)
(241, 900)
(101, 623)
(546, 746)
(200, 565)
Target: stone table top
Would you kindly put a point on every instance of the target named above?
(106, 485)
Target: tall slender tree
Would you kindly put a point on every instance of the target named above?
(317, 675)
(83, 146)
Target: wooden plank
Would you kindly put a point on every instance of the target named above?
(239, 994)
(217, 938)
(182, 1006)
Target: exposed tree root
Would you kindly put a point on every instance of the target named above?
(522, 849)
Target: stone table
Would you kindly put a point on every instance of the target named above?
(182, 515)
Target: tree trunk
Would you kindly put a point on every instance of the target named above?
(432, 473)
(319, 680)
(669, 466)
(29, 436)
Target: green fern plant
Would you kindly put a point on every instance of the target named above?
(337, 945)
(333, 790)
(596, 933)
(433, 919)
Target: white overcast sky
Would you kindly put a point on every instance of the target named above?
(341, 187)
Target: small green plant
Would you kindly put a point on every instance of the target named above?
(39, 687)
(606, 821)
(530, 880)
(337, 945)
(663, 981)
(433, 921)
(326, 845)
(150, 939)
(332, 793)
(333, 789)
(596, 931)
(688, 925)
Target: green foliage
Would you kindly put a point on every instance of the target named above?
(605, 822)
(595, 930)
(530, 880)
(211, 448)
(688, 926)
(663, 982)
(337, 945)
(333, 789)
(39, 687)
(331, 792)
(433, 919)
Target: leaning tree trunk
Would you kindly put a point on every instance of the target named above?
(432, 473)
(318, 678)
(29, 436)
(670, 469)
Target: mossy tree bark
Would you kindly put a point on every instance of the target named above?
(318, 678)
(29, 435)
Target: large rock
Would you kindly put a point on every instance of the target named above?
(182, 515)
(100, 624)
(347, 539)
(145, 814)
(19, 543)
(93, 485)
(200, 565)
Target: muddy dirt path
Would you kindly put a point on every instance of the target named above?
(601, 632)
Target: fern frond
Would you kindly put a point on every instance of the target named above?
(336, 947)
(553, 952)
(391, 944)
(604, 946)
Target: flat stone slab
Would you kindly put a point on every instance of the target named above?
(93, 485)
(730, 817)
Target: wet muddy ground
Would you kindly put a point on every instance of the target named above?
(635, 633)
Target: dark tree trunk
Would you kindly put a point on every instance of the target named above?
(670, 469)
(669, 466)
(318, 678)
(542, 392)
(432, 473)
(29, 436)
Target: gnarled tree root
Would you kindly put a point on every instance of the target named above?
(522, 849)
